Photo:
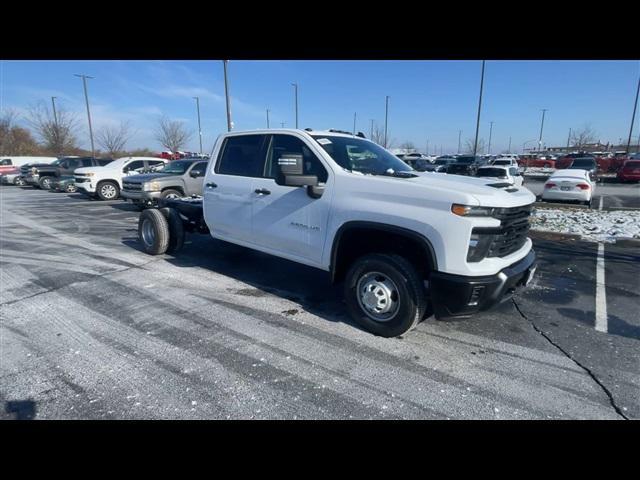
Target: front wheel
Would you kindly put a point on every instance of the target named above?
(170, 193)
(71, 188)
(45, 183)
(108, 191)
(19, 182)
(385, 294)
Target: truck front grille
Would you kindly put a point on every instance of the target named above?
(506, 239)
(132, 186)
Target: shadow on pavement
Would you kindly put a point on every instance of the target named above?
(21, 409)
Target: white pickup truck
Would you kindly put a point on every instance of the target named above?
(404, 243)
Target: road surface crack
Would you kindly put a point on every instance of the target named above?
(568, 355)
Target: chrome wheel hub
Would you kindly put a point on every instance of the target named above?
(108, 191)
(148, 233)
(378, 296)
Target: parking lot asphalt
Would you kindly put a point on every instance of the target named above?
(94, 328)
(615, 195)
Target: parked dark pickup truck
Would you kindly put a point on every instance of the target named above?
(39, 175)
(465, 165)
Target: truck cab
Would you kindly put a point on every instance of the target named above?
(402, 243)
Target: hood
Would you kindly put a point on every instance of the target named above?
(485, 191)
(146, 177)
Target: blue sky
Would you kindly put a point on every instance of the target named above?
(430, 100)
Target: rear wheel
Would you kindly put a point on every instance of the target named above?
(108, 191)
(19, 182)
(71, 188)
(385, 294)
(176, 229)
(153, 232)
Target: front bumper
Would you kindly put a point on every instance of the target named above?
(456, 296)
(140, 195)
(31, 179)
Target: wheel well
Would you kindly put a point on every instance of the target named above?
(354, 242)
(107, 181)
(177, 188)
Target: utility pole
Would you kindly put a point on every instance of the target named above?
(459, 138)
(427, 147)
(371, 135)
(197, 99)
(267, 118)
(354, 122)
(490, 131)
(475, 144)
(544, 110)
(633, 117)
(55, 117)
(386, 119)
(509, 145)
(86, 98)
(295, 86)
(568, 140)
(226, 94)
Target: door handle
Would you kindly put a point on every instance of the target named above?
(211, 185)
(262, 191)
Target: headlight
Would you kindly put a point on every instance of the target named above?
(87, 174)
(479, 244)
(34, 170)
(468, 211)
(151, 187)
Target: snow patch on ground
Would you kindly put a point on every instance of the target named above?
(593, 225)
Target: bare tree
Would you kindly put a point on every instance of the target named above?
(469, 146)
(583, 136)
(378, 136)
(172, 135)
(15, 140)
(113, 138)
(58, 134)
(409, 146)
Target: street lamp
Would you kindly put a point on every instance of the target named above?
(490, 131)
(226, 94)
(86, 98)
(544, 110)
(268, 117)
(354, 122)
(633, 117)
(197, 99)
(475, 144)
(295, 86)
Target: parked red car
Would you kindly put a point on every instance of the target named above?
(630, 171)
(533, 160)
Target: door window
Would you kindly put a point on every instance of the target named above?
(242, 156)
(136, 164)
(288, 144)
(199, 168)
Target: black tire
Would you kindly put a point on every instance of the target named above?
(176, 229)
(71, 188)
(171, 193)
(45, 183)
(408, 289)
(19, 182)
(108, 191)
(153, 232)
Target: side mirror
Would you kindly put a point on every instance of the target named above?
(196, 173)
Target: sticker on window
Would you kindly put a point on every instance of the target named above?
(323, 141)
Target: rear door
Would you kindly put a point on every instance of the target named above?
(286, 219)
(228, 193)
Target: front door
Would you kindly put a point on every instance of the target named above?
(286, 219)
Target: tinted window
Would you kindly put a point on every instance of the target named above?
(102, 162)
(492, 172)
(86, 162)
(243, 156)
(6, 161)
(585, 163)
(136, 164)
(287, 144)
(513, 171)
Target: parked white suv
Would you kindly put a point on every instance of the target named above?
(402, 243)
(106, 182)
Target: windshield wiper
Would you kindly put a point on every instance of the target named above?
(403, 174)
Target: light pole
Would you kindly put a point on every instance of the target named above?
(354, 122)
(55, 117)
(568, 140)
(386, 119)
(371, 135)
(509, 145)
(544, 110)
(459, 138)
(295, 86)
(197, 99)
(490, 131)
(267, 118)
(475, 143)
(86, 98)
(226, 94)
(427, 147)
(633, 117)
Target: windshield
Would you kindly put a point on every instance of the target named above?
(492, 172)
(442, 162)
(177, 167)
(583, 163)
(465, 160)
(358, 155)
(502, 162)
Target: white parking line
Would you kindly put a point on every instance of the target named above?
(601, 294)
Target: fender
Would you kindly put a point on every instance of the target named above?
(421, 239)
